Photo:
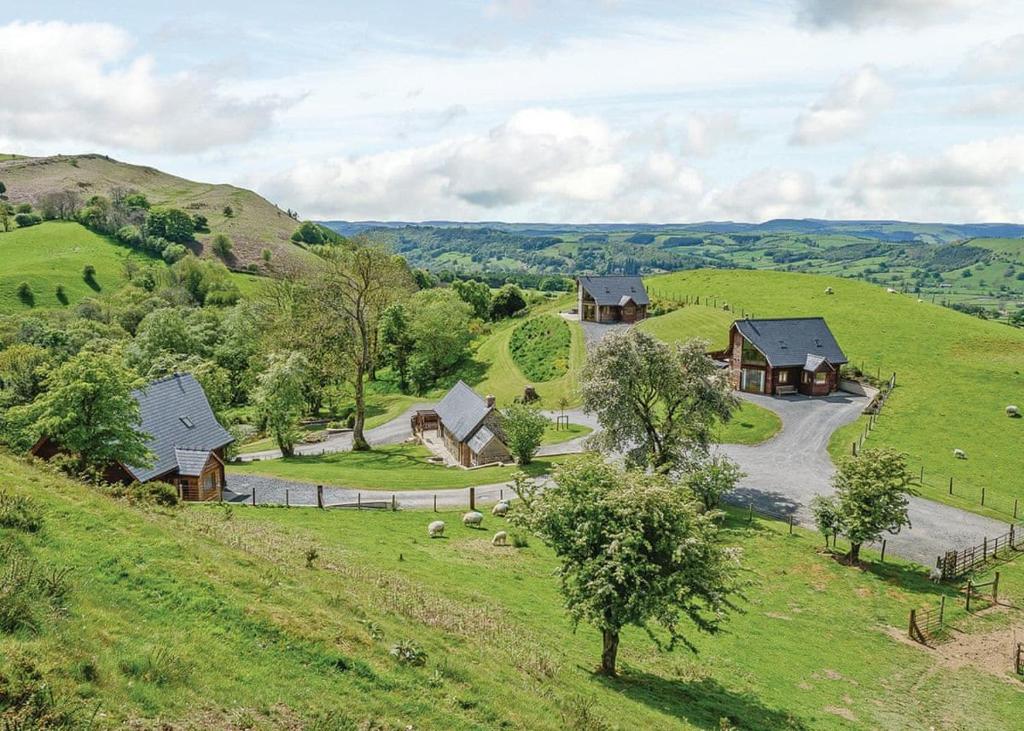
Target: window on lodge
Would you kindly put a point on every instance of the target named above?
(783, 377)
(751, 354)
(820, 377)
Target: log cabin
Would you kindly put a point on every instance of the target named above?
(186, 440)
(612, 299)
(467, 425)
(784, 356)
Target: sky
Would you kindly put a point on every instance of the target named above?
(524, 110)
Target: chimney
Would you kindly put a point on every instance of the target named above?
(490, 401)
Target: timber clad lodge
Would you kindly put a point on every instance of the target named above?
(784, 356)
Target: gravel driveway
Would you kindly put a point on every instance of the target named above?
(787, 471)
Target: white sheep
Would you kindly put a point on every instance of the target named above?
(935, 575)
(890, 290)
(829, 290)
(500, 509)
(1012, 411)
(436, 529)
(959, 454)
(473, 519)
(500, 539)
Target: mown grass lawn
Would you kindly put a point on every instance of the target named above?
(208, 617)
(53, 254)
(750, 424)
(955, 373)
(557, 435)
(391, 467)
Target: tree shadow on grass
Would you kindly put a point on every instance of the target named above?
(703, 703)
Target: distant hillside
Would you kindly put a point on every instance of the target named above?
(255, 223)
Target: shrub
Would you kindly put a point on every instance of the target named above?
(266, 255)
(174, 252)
(519, 540)
(26, 589)
(221, 246)
(311, 555)
(160, 666)
(154, 493)
(89, 272)
(28, 702)
(24, 220)
(408, 652)
(25, 294)
(19, 512)
(228, 211)
(23, 208)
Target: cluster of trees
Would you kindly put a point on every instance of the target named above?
(506, 302)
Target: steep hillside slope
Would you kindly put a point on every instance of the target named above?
(254, 224)
(955, 373)
(208, 617)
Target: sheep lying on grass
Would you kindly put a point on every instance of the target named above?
(1013, 412)
(500, 539)
(473, 519)
(500, 509)
(829, 290)
(436, 529)
(959, 454)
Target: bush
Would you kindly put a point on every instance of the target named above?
(19, 512)
(154, 493)
(89, 273)
(221, 246)
(23, 208)
(25, 294)
(24, 220)
(174, 253)
(26, 589)
(408, 652)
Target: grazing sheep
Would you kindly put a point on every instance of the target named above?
(829, 290)
(473, 519)
(436, 529)
(935, 575)
(1013, 412)
(500, 509)
(959, 454)
(500, 539)
(890, 290)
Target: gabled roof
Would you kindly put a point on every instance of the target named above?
(481, 439)
(179, 420)
(615, 290)
(462, 411)
(191, 461)
(814, 362)
(787, 342)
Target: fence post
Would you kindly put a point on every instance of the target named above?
(287, 499)
(472, 498)
(1015, 508)
(1011, 536)
(883, 550)
(969, 588)
(995, 589)
(791, 525)
(913, 621)
(359, 501)
(950, 485)
(501, 495)
(394, 503)
(942, 608)
(320, 496)
(984, 548)
(254, 496)
(922, 475)
(982, 495)
(855, 449)
(750, 512)
(435, 503)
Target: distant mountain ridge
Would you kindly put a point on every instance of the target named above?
(882, 230)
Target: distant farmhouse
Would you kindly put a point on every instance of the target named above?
(612, 299)
(784, 356)
(465, 425)
(186, 440)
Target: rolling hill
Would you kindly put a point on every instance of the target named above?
(955, 373)
(255, 223)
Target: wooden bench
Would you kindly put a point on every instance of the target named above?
(785, 390)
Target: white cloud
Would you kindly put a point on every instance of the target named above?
(973, 181)
(706, 132)
(860, 14)
(1003, 100)
(996, 58)
(845, 110)
(768, 194)
(83, 84)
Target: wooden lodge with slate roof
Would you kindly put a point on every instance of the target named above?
(784, 356)
(612, 299)
(185, 438)
(467, 425)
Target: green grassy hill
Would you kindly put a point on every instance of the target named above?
(204, 617)
(52, 254)
(956, 374)
(256, 224)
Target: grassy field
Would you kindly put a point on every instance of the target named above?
(540, 347)
(54, 253)
(207, 618)
(391, 467)
(501, 376)
(572, 431)
(955, 373)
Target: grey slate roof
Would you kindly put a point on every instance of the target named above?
(786, 342)
(813, 362)
(462, 410)
(191, 461)
(481, 439)
(615, 290)
(179, 420)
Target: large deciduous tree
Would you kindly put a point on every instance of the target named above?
(634, 549)
(354, 287)
(476, 294)
(657, 403)
(873, 491)
(88, 409)
(396, 342)
(524, 428)
(280, 399)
